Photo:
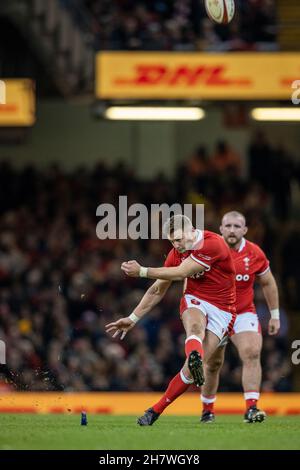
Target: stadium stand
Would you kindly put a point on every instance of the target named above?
(60, 284)
(179, 25)
(49, 252)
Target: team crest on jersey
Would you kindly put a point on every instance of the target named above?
(195, 302)
(246, 261)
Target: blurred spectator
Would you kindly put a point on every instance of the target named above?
(260, 160)
(225, 160)
(282, 173)
(291, 266)
(272, 168)
(198, 169)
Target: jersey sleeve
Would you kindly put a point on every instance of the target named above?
(263, 264)
(170, 260)
(211, 252)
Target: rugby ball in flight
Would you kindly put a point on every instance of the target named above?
(220, 11)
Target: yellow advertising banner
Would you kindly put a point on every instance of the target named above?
(122, 403)
(17, 102)
(164, 75)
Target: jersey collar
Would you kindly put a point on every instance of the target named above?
(242, 246)
(198, 239)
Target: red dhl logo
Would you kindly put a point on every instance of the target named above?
(155, 75)
(9, 108)
(288, 81)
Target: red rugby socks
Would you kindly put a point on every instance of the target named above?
(178, 385)
(208, 402)
(251, 398)
(193, 343)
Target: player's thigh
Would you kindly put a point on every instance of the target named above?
(248, 344)
(194, 322)
(210, 344)
(216, 360)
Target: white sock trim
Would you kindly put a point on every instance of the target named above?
(185, 379)
(251, 395)
(207, 400)
(193, 337)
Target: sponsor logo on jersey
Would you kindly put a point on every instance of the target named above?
(241, 277)
(198, 275)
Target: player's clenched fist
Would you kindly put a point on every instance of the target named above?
(274, 326)
(131, 268)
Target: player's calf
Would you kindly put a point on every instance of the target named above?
(178, 385)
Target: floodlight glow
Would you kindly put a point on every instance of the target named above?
(154, 113)
(276, 114)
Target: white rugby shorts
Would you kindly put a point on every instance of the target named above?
(219, 321)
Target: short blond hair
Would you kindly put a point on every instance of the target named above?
(234, 214)
(177, 222)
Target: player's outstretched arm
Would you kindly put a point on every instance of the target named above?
(270, 290)
(152, 297)
(187, 268)
(121, 326)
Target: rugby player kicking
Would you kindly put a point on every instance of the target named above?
(250, 264)
(207, 308)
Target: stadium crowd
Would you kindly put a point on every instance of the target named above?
(181, 25)
(60, 284)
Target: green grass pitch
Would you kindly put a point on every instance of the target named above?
(25, 431)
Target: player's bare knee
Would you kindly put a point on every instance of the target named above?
(213, 366)
(195, 329)
(251, 355)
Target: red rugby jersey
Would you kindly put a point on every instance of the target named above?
(250, 261)
(216, 284)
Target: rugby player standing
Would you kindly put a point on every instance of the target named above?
(251, 264)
